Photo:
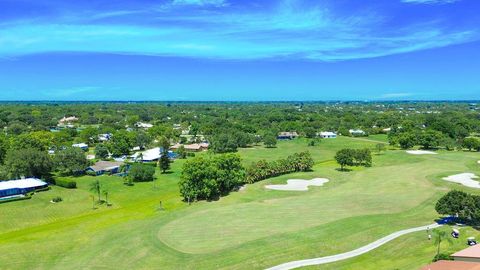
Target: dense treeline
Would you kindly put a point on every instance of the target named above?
(32, 128)
(298, 162)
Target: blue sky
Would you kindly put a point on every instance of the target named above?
(239, 50)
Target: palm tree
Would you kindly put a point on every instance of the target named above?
(438, 238)
(105, 193)
(95, 187)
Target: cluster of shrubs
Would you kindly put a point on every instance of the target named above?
(141, 172)
(66, 183)
(298, 162)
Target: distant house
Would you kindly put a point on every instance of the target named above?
(103, 167)
(67, 120)
(105, 137)
(82, 146)
(327, 135)
(18, 188)
(357, 132)
(143, 125)
(195, 147)
(287, 135)
(151, 155)
(470, 254)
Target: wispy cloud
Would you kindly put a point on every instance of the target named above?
(217, 3)
(396, 95)
(290, 29)
(430, 1)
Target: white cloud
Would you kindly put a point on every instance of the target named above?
(216, 3)
(430, 1)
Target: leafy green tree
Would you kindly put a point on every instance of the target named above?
(223, 143)
(270, 140)
(471, 143)
(182, 153)
(164, 162)
(407, 140)
(457, 203)
(4, 146)
(142, 139)
(209, 177)
(28, 163)
(71, 161)
(141, 173)
(89, 135)
(430, 139)
(120, 143)
(101, 151)
(345, 157)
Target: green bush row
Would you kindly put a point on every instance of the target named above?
(66, 183)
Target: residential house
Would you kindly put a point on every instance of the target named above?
(18, 188)
(287, 135)
(82, 146)
(143, 125)
(327, 135)
(102, 167)
(357, 132)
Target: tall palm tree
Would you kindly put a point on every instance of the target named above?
(96, 188)
(105, 193)
(438, 238)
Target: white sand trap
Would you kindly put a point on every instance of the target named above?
(465, 179)
(299, 184)
(420, 152)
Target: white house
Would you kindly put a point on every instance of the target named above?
(357, 132)
(327, 135)
(143, 125)
(82, 146)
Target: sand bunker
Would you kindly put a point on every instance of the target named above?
(299, 184)
(421, 152)
(465, 179)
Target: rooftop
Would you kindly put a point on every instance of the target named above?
(452, 265)
(471, 252)
(105, 165)
(21, 183)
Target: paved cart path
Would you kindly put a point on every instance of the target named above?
(353, 253)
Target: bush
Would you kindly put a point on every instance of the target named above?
(442, 257)
(57, 199)
(141, 172)
(66, 183)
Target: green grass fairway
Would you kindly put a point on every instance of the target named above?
(251, 229)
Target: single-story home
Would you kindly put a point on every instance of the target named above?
(143, 125)
(13, 188)
(67, 120)
(151, 155)
(470, 254)
(357, 132)
(451, 265)
(195, 147)
(82, 146)
(102, 167)
(287, 135)
(105, 137)
(327, 135)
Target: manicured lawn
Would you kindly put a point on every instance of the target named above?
(251, 229)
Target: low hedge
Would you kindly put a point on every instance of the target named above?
(66, 183)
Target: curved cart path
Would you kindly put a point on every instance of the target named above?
(353, 253)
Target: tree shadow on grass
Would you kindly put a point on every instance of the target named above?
(343, 170)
